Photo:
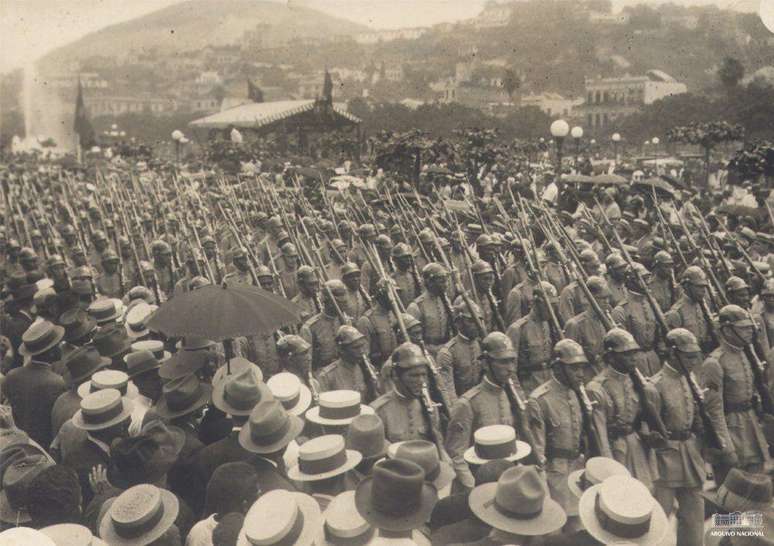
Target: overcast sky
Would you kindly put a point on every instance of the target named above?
(31, 28)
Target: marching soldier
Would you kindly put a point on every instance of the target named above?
(553, 270)
(367, 234)
(338, 252)
(485, 404)
(378, 325)
(516, 271)
(241, 271)
(404, 274)
(572, 300)
(432, 307)
(616, 266)
(163, 269)
(662, 285)
(320, 330)
(588, 329)
(687, 311)
(346, 373)
(265, 278)
(519, 300)
(287, 268)
(210, 248)
(308, 297)
(359, 300)
(101, 244)
(458, 360)
(483, 278)
(738, 292)
(110, 283)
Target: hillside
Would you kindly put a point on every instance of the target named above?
(197, 23)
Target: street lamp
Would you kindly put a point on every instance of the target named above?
(177, 136)
(559, 130)
(577, 135)
(236, 136)
(616, 138)
(655, 140)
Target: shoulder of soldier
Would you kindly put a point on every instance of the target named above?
(449, 344)
(471, 393)
(541, 390)
(420, 298)
(656, 377)
(384, 400)
(311, 321)
(329, 369)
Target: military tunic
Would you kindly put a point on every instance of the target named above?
(289, 282)
(687, 314)
(341, 375)
(554, 273)
(557, 424)
(519, 301)
(618, 292)
(309, 306)
(378, 326)
(408, 289)
(431, 312)
(459, 365)
(320, 332)
(110, 285)
(262, 350)
(572, 301)
(483, 405)
(357, 303)
(531, 339)
(514, 274)
(589, 332)
(636, 316)
(662, 292)
(166, 280)
(403, 418)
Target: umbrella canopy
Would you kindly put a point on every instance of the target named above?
(662, 186)
(224, 311)
(610, 180)
(577, 179)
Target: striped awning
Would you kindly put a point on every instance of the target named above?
(259, 114)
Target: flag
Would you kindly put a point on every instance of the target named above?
(327, 90)
(82, 125)
(254, 92)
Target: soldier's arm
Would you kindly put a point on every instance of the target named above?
(514, 333)
(619, 317)
(414, 310)
(458, 439)
(599, 415)
(710, 376)
(513, 306)
(446, 368)
(538, 425)
(566, 304)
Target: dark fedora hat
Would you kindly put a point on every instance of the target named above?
(82, 363)
(112, 341)
(365, 434)
(742, 491)
(77, 323)
(238, 394)
(139, 362)
(184, 363)
(182, 396)
(40, 337)
(396, 496)
(269, 428)
(15, 483)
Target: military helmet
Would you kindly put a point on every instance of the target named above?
(683, 340)
(263, 271)
(588, 256)
(55, 259)
(598, 286)
(484, 240)
(336, 288)
(638, 268)
(615, 261)
(160, 247)
(383, 241)
(408, 355)
(481, 267)
(67, 229)
(434, 270)
(768, 288)
(400, 250)
(736, 283)
(198, 282)
(239, 252)
(207, 240)
(347, 335)
(338, 244)
(694, 275)
(291, 345)
(516, 244)
(305, 272)
(289, 250)
(426, 236)
(549, 289)
(497, 345)
(109, 256)
(139, 293)
(349, 268)
(618, 340)
(366, 230)
(282, 238)
(410, 321)
(99, 235)
(274, 222)
(568, 351)
(26, 253)
(662, 257)
(733, 315)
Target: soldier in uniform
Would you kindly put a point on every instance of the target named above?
(618, 411)
(687, 311)
(346, 373)
(401, 409)
(616, 267)
(738, 292)
(484, 278)
(210, 248)
(636, 316)
(485, 404)
(426, 248)
(110, 283)
(295, 357)
(587, 328)
(378, 325)
(516, 271)
(662, 285)
(383, 245)
(308, 297)
(553, 271)
(163, 269)
(557, 422)
(367, 234)
(678, 470)
(320, 330)
(432, 307)
(101, 244)
(265, 278)
(731, 398)
(458, 359)
(338, 252)
(359, 300)
(404, 274)
(261, 349)
(571, 299)
(532, 340)
(287, 268)
(271, 243)
(765, 320)
(241, 271)
(57, 271)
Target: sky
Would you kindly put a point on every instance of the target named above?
(31, 28)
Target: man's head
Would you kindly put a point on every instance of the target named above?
(239, 257)
(568, 362)
(28, 259)
(402, 256)
(736, 325)
(350, 276)
(464, 318)
(409, 369)
(620, 349)
(110, 261)
(352, 345)
(599, 290)
(265, 277)
(483, 275)
(694, 282)
(683, 348)
(767, 295)
(498, 357)
(590, 261)
(738, 292)
(334, 295)
(308, 283)
(294, 350)
(436, 278)
(616, 266)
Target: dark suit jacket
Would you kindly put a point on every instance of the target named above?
(32, 390)
(64, 408)
(449, 510)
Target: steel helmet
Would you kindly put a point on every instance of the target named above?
(347, 335)
(291, 345)
(305, 272)
(598, 286)
(349, 268)
(694, 275)
(733, 315)
(263, 271)
(618, 340)
(736, 283)
(568, 351)
(683, 340)
(434, 270)
(481, 267)
(408, 355)
(461, 309)
(662, 257)
(497, 345)
(337, 288)
(615, 261)
(400, 250)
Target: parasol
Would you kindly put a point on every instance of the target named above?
(659, 184)
(577, 179)
(225, 311)
(610, 180)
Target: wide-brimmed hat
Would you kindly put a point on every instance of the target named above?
(40, 337)
(337, 408)
(71, 534)
(138, 516)
(108, 379)
(323, 457)
(22, 536)
(136, 321)
(24, 292)
(140, 362)
(282, 518)
(425, 454)
(17, 476)
(153, 345)
(269, 428)
(742, 491)
(112, 341)
(396, 496)
(102, 409)
(237, 394)
(518, 504)
(77, 323)
(82, 363)
(294, 396)
(597, 470)
(182, 396)
(365, 434)
(106, 310)
(236, 366)
(344, 526)
(622, 509)
(184, 363)
(194, 343)
(496, 442)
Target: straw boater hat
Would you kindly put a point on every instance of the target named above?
(396, 496)
(291, 392)
(742, 491)
(343, 525)
(182, 396)
(102, 409)
(236, 366)
(140, 515)
(337, 408)
(106, 310)
(425, 454)
(25, 536)
(136, 322)
(323, 457)
(71, 534)
(365, 434)
(153, 345)
(82, 363)
(621, 509)
(282, 518)
(40, 337)
(238, 394)
(16, 478)
(496, 442)
(108, 379)
(597, 470)
(518, 504)
(269, 428)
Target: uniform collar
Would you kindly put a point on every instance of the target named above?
(489, 384)
(669, 369)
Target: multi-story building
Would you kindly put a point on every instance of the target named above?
(377, 36)
(107, 105)
(552, 104)
(610, 98)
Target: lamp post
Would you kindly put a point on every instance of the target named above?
(177, 136)
(577, 135)
(616, 138)
(655, 140)
(559, 130)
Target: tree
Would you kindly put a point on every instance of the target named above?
(706, 135)
(511, 82)
(731, 72)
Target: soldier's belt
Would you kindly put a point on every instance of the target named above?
(560, 453)
(619, 431)
(680, 435)
(737, 407)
